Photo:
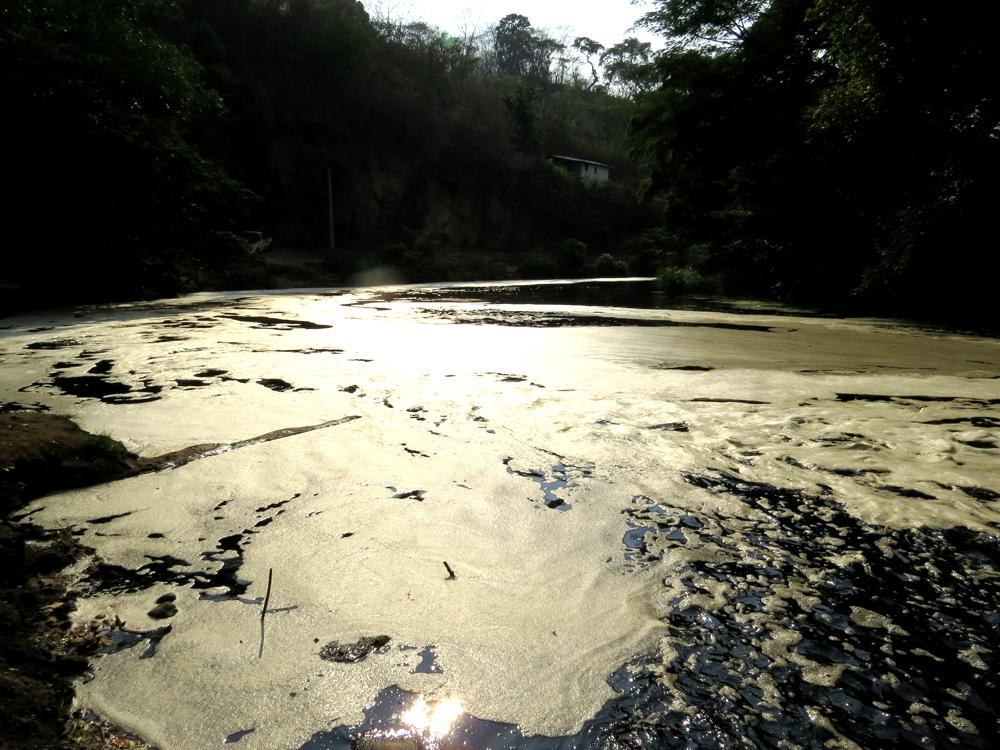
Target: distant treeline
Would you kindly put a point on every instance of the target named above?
(838, 152)
(828, 152)
(141, 134)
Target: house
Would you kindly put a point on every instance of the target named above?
(592, 172)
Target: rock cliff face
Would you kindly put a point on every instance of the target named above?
(395, 200)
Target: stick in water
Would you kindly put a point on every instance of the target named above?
(267, 596)
(451, 573)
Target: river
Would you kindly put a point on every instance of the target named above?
(674, 524)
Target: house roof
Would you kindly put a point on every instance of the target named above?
(581, 161)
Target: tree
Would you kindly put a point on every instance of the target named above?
(710, 26)
(522, 51)
(827, 151)
(625, 66)
(106, 116)
(590, 49)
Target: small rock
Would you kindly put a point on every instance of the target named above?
(166, 598)
(163, 611)
(349, 653)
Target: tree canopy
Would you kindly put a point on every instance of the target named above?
(830, 151)
(145, 130)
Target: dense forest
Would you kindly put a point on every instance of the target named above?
(149, 133)
(828, 153)
(831, 152)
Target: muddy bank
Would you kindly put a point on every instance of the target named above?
(42, 453)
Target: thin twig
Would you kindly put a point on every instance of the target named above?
(267, 596)
(451, 573)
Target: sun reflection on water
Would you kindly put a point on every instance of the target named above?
(422, 726)
(432, 720)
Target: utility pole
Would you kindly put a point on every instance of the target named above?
(329, 196)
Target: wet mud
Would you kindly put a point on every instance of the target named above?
(792, 625)
(788, 621)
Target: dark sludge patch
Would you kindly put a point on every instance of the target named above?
(669, 427)
(235, 737)
(199, 322)
(349, 653)
(428, 662)
(850, 441)
(557, 478)
(907, 492)
(417, 495)
(524, 319)
(836, 470)
(119, 638)
(275, 384)
(190, 383)
(166, 569)
(211, 373)
(108, 391)
(103, 367)
(52, 345)
(889, 607)
(272, 506)
(980, 493)
(881, 398)
(9, 407)
(726, 401)
(281, 324)
(90, 386)
(109, 519)
(651, 522)
(226, 577)
(981, 444)
(100, 576)
(310, 350)
(683, 368)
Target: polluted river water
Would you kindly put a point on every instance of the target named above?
(529, 515)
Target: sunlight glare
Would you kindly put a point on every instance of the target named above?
(432, 720)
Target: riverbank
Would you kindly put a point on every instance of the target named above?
(39, 454)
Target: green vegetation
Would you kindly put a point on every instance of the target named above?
(830, 152)
(147, 132)
(686, 280)
(105, 445)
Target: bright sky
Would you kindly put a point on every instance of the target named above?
(607, 21)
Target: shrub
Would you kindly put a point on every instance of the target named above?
(608, 265)
(686, 280)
